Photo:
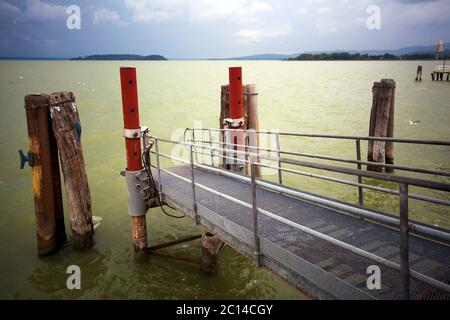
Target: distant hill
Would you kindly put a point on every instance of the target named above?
(360, 57)
(407, 51)
(264, 56)
(120, 57)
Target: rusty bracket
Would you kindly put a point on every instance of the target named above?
(26, 158)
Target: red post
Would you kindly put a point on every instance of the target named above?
(133, 150)
(237, 116)
(236, 103)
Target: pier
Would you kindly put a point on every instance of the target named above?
(441, 73)
(322, 245)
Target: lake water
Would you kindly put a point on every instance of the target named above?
(320, 97)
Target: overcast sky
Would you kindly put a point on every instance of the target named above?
(216, 28)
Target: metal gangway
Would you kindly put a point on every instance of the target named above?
(323, 245)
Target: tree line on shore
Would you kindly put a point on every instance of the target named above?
(358, 56)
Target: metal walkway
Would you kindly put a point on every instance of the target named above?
(323, 246)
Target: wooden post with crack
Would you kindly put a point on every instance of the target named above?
(381, 125)
(67, 131)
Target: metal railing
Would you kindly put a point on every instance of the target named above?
(403, 221)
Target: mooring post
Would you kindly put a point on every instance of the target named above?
(236, 121)
(389, 147)
(43, 160)
(251, 99)
(67, 130)
(211, 245)
(419, 73)
(380, 123)
(224, 114)
(132, 135)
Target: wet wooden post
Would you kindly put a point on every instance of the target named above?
(50, 230)
(251, 102)
(419, 73)
(132, 132)
(67, 130)
(224, 114)
(389, 156)
(381, 123)
(211, 245)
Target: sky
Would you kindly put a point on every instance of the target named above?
(196, 29)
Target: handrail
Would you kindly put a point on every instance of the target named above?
(401, 222)
(356, 172)
(392, 265)
(331, 136)
(385, 165)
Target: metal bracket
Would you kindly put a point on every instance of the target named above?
(233, 123)
(132, 133)
(26, 158)
(141, 195)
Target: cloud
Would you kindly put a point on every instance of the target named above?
(104, 15)
(246, 36)
(147, 11)
(323, 10)
(37, 10)
(7, 9)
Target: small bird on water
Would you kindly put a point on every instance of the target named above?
(414, 123)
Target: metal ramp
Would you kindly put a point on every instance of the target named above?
(321, 245)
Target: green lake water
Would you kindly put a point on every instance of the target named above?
(319, 97)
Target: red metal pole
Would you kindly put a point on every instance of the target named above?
(133, 149)
(236, 103)
(237, 115)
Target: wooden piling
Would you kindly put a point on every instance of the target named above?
(251, 103)
(373, 113)
(224, 114)
(49, 212)
(67, 130)
(419, 73)
(211, 245)
(380, 125)
(389, 147)
(432, 76)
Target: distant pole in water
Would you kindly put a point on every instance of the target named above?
(419, 73)
(132, 135)
(44, 163)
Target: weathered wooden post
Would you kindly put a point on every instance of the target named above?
(43, 160)
(67, 131)
(252, 123)
(419, 73)
(381, 123)
(211, 245)
(389, 156)
(132, 135)
(224, 114)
